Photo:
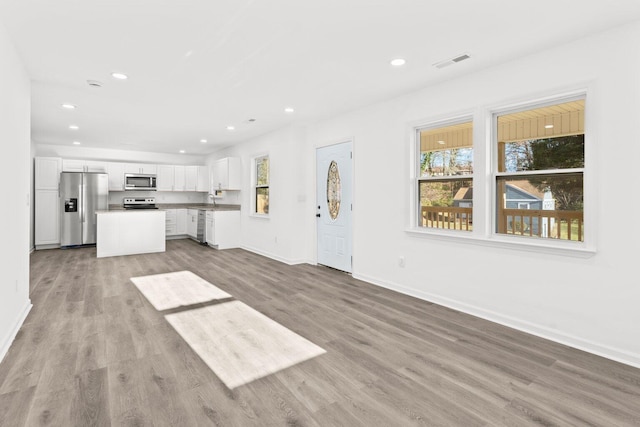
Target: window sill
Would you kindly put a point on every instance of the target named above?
(576, 250)
(260, 216)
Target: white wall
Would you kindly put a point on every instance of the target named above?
(15, 171)
(280, 235)
(586, 302)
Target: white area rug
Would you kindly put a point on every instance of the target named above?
(240, 344)
(181, 288)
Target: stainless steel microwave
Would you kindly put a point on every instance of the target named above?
(134, 181)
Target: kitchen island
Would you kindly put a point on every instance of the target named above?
(128, 232)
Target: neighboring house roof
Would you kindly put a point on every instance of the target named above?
(523, 186)
(464, 193)
(526, 187)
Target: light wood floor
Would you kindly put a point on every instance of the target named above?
(93, 351)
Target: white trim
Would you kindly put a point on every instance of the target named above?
(4, 346)
(500, 241)
(484, 161)
(525, 103)
(412, 128)
(254, 186)
(616, 354)
(274, 256)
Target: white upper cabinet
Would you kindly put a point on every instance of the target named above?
(141, 168)
(95, 166)
(165, 178)
(183, 178)
(47, 173)
(169, 177)
(226, 174)
(116, 176)
(74, 165)
(190, 178)
(179, 178)
(203, 178)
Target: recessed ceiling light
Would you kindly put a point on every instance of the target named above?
(441, 142)
(73, 127)
(76, 143)
(204, 141)
(548, 126)
(69, 106)
(119, 76)
(231, 128)
(398, 62)
(182, 151)
(288, 110)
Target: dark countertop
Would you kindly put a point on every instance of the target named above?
(205, 206)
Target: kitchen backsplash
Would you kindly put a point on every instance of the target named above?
(115, 197)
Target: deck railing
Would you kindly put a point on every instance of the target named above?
(447, 217)
(553, 224)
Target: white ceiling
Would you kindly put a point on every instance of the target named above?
(197, 66)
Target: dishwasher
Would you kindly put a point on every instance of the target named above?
(201, 227)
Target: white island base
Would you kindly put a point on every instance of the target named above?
(121, 232)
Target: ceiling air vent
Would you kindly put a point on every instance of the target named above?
(451, 61)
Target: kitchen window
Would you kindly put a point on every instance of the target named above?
(540, 163)
(261, 185)
(445, 176)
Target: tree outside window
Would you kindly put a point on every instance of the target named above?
(445, 183)
(262, 185)
(540, 154)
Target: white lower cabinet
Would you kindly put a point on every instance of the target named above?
(171, 224)
(181, 221)
(223, 229)
(192, 223)
(47, 214)
(176, 222)
(209, 229)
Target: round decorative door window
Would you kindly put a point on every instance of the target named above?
(333, 190)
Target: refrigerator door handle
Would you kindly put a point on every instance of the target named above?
(81, 201)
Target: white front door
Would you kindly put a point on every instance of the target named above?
(334, 205)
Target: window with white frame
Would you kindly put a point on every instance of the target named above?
(261, 185)
(539, 170)
(445, 176)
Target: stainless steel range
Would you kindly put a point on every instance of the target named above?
(139, 203)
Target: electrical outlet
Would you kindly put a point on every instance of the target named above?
(401, 261)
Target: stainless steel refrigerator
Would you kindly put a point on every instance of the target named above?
(81, 195)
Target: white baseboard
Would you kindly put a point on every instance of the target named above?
(6, 343)
(616, 354)
(274, 256)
